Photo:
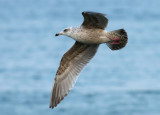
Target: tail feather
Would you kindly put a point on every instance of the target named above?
(118, 38)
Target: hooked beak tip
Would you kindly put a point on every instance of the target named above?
(57, 34)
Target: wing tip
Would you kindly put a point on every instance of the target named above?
(54, 104)
(89, 12)
(52, 107)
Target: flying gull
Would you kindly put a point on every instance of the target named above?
(87, 38)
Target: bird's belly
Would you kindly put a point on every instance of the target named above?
(92, 39)
(90, 36)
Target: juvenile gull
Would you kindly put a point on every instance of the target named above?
(88, 37)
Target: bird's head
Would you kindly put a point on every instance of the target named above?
(66, 32)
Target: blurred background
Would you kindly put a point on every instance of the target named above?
(124, 82)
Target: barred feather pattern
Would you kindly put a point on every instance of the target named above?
(71, 65)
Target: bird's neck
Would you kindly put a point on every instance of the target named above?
(75, 32)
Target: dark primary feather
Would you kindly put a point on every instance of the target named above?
(94, 20)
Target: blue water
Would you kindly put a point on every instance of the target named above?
(124, 82)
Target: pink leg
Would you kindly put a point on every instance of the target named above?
(115, 41)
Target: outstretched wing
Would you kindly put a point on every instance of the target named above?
(71, 65)
(94, 20)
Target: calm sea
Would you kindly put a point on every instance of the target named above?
(124, 82)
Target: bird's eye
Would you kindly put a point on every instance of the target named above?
(65, 30)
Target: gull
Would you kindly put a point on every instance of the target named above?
(87, 38)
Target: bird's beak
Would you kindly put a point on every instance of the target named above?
(57, 34)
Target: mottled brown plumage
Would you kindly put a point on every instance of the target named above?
(71, 65)
(76, 49)
(88, 36)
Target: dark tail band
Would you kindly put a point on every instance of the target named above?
(119, 39)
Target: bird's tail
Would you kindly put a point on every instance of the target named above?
(118, 38)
